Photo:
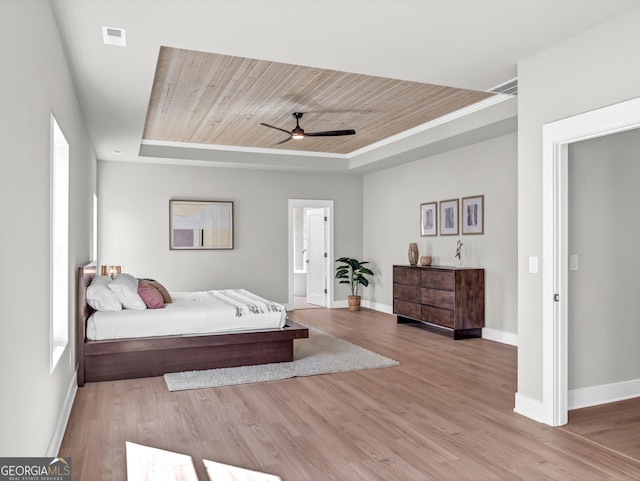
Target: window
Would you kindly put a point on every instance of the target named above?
(94, 243)
(59, 336)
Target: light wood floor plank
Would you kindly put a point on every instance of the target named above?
(446, 412)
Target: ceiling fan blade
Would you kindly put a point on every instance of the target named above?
(330, 133)
(277, 128)
(283, 141)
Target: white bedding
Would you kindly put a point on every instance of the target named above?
(190, 313)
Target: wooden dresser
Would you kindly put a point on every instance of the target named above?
(447, 299)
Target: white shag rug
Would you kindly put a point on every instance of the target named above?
(321, 353)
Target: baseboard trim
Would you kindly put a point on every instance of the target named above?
(500, 336)
(63, 418)
(342, 304)
(603, 394)
(376, 306)
(529, 407)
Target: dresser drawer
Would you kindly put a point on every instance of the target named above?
(438, 279)
(406, 308)
(435, 315)
(407, 293)
(438, 298)
(406, 276)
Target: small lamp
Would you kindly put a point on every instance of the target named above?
(111, 270)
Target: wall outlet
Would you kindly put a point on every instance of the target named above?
(533, 265)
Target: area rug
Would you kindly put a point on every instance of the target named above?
(321, 353)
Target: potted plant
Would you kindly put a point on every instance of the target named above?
(353, 272)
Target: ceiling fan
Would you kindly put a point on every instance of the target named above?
(298, 133)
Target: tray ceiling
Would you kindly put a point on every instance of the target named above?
(474, 44)
(207, 98)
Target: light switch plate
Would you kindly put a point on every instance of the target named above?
(573, 262)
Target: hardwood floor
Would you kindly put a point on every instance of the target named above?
(300, 302)
(446, 413)
(613, 426)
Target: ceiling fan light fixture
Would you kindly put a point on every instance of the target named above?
(297, 133)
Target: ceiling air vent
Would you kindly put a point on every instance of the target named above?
(114, 36)
(508, 88)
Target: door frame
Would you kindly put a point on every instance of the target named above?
(328, 206)
(557, 136)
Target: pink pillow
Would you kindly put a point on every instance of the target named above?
(150, 295)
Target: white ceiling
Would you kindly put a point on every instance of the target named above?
(471, 44)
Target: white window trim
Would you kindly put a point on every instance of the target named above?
(59, 245)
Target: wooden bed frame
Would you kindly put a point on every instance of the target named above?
(155, 356)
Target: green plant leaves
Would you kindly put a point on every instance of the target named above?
(353, 272)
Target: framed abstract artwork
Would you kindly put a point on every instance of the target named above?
(428, 219)
(472, 215)
(449, 217)
(200, 224)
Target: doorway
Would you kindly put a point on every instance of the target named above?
(310, 252)
(557, 136)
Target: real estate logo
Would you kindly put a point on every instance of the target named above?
(35, 469)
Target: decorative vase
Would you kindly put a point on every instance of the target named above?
(354, 303)
(413, 254)
(425, 260)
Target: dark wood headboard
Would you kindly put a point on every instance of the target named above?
(83, 311)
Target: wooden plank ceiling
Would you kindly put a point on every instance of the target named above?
(205, 98)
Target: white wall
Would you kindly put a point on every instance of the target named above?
(603, 231)
(594, 69)
(392, 201)
(35, 82)
(134, 223)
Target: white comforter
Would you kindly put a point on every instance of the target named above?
(191, 313)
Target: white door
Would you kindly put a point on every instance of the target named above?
(316, 282)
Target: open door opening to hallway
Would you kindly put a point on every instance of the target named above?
(310, 253)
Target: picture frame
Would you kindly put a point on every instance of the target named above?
(472, 215)
(449, 217)
(200, 225)
(429, 219)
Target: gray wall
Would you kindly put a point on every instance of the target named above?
(35, 82)
(594, 69)
(392, 201)
(603, 231)
(134, 223)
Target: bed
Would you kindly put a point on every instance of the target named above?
(134, 357)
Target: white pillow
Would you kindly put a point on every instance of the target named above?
(125, 287)
(100, 297)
